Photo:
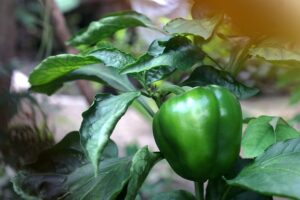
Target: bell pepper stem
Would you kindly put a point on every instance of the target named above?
(199, 190)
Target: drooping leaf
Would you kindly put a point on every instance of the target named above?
(113, 57)
(98, 73)
(108, 25)
(57, 66)
(142, 162)
(199, 27)
(207, 75)
(174, 195)
(80, 184)
(182, 58)
(61, 170)
(275, 172)
(264, 131)
(63, 173)
(99, 121)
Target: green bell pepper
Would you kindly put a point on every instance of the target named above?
(199, 132)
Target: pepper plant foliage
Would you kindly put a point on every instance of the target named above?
(86, 165)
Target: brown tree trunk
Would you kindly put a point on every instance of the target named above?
(63, 34)
(7, 53)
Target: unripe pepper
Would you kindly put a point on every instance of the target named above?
(199, 132)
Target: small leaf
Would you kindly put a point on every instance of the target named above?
(276, 55)
(263, 132)
(113, 57)
(174, 195)
(142, 162)
(207, 75)
(97, 72)
(275, 172)
(99, 121)
(108, 25)
(173, 58)
(202, 27)
(168, 43)
(57, 66)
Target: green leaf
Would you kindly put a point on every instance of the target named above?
(207, 75)
(113, 57)
(63, 173)
(97, 72)
(100, 120)
(159, 73)
(157, 48)
(81, 184)
(142, 163)
(202, 27)
(172, 58)
(174, 195)
(168, 43)
(61, 170)
(108, 25)
(264, 131)
(57, 66)
(276, 172)
(276, 55)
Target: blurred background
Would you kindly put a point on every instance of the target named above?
(31, 30)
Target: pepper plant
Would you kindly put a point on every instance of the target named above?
(197, 116)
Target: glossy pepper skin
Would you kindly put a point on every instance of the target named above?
(199, 132)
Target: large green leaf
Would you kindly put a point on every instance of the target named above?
(264, 131)
(108, 25)
(159, 47)
(174, 195)
(100, 120)
(142, 162)
(57, 66)
(97, 72)
(113, 57)
(182, 58)
(207, 75)
(201, 27)
(276, 172)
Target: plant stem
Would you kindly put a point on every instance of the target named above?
(225, 193)
(146, 106)
(199, 190)
(213, 60)
(242, 58)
